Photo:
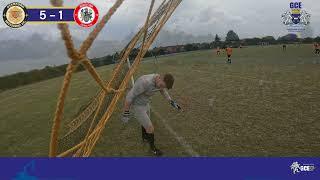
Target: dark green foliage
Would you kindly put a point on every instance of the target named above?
(217, 39)
(269, 39)
(232, 39)
(289, 38)
(232, 36)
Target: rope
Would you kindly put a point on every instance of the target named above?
(66, 36)
(93, 35)
(59, 110)
(56, 2)
(124, 83)
(97, 132)
(75, 57)
(85, 147)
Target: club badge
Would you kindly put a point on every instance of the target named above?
(86, 15)
(15, 15)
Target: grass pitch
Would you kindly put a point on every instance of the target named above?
(267, 103)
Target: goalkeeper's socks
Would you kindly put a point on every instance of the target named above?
(144, 134)
(150, 138)
(153, 148)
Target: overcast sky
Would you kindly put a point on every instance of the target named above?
(249, 18)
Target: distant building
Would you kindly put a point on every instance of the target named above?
(171, 49)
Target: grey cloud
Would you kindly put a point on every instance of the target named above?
(247, 17)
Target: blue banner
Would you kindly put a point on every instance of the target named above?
(160, 168)
(50, 15)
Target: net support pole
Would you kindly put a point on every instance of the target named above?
(129, 66)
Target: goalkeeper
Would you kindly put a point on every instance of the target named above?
(138, 99)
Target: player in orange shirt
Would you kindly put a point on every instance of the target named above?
(229, 54)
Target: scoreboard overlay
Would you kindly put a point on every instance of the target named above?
(50, 15)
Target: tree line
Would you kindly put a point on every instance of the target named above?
(232, 39)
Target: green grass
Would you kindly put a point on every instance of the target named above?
(265, 104)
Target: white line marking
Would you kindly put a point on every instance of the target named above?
(180, 139)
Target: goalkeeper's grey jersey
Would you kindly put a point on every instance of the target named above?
(143, 89)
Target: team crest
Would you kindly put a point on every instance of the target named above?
(15, 15)
(86, 14)
(296, 16)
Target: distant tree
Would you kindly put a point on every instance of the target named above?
(148, 54)
(288, 38)
(157, 51)
(269, 39)
(232, 36)
(188, 47)
(108, 60)
(205, 46)
(307, 40)
(154, 51)
(217, 39)
(317, 39)
(216, 42)
(162, 51)
(133, 54)
(251, 41)
(196, 46)
(116, 56)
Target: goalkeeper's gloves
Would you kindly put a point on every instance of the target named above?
(125, 117)
(175, 105)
